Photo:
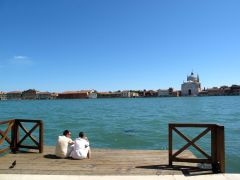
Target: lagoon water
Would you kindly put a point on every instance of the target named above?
(140, 123)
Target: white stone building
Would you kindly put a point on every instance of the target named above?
(192, 87)
(3, 96)
(126, 94)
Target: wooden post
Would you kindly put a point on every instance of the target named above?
(214, 148)
(220, 149)
(13, 142)
(170, 144)
(16, 135)
(40, 137)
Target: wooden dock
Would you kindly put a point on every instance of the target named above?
(102, 162)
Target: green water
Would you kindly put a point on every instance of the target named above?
(140, 123)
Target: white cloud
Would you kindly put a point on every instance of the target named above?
(20, 57)
(24, 60)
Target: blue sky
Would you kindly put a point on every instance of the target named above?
(58, 45)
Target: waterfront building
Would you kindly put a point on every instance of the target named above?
(170, 92)
(29, 94)
(163, 93)
(126, 94)
(83, 94)
(92, 94)
(235, 89)
(110, 94)
(224, 91)
(14, 95)
(3, 96)
(192, 87)
(54, 95)
(134, 94)
(44, 95)
(150, 93)
(215, 91)
(203, 93)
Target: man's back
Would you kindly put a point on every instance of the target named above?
(81, 149)
(62, 146)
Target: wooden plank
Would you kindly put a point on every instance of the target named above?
(28, 120)
(11, 123)
(6, 122)
(6, 138)
(28, 133)
(41, 131)
(221, 149)
(4, 150)
(192, 125)
(102, 162)
(170, 129)
(191, 160)
(192, 142)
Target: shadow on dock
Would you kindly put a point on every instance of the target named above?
(186, 170)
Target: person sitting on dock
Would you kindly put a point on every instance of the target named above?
(81, 147)
(64, 145)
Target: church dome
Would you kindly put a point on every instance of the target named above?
(192, 78)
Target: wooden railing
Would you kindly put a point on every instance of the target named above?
(15, 141)
(5, 135)
(217, 156)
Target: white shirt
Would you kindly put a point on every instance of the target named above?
(62, 146)
(81, 148)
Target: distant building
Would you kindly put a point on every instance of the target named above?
(224, 91)
(129, 94)
(54, 95)
(109, 94)
(215, 91)
(29, 94)
(3, 96)
(14, 95)
(134, 94)
(235, 89)
(44, 95)
(192, 87)
(170, 92)
(83, 94)
(163, 93)
(92, 94)
(126, 94)
(150, 93)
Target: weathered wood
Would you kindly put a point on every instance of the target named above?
(170, 128)
(14, 143)
(102, 162)
(28, 133)
(41, 131)
(192, 142)
(221, 149)
(4, 150)
(192, 125)
(6, 122)
(191, 160)
(6, 137)
(217, 158)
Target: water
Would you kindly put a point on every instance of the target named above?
(140, 123)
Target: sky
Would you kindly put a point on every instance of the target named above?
(108, 45)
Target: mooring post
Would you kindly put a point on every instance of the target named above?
(170, 144)
(41, 137)
(220, 149)
(214, 149)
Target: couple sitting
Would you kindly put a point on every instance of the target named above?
(66, 147)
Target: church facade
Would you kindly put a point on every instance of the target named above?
(192, 87)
